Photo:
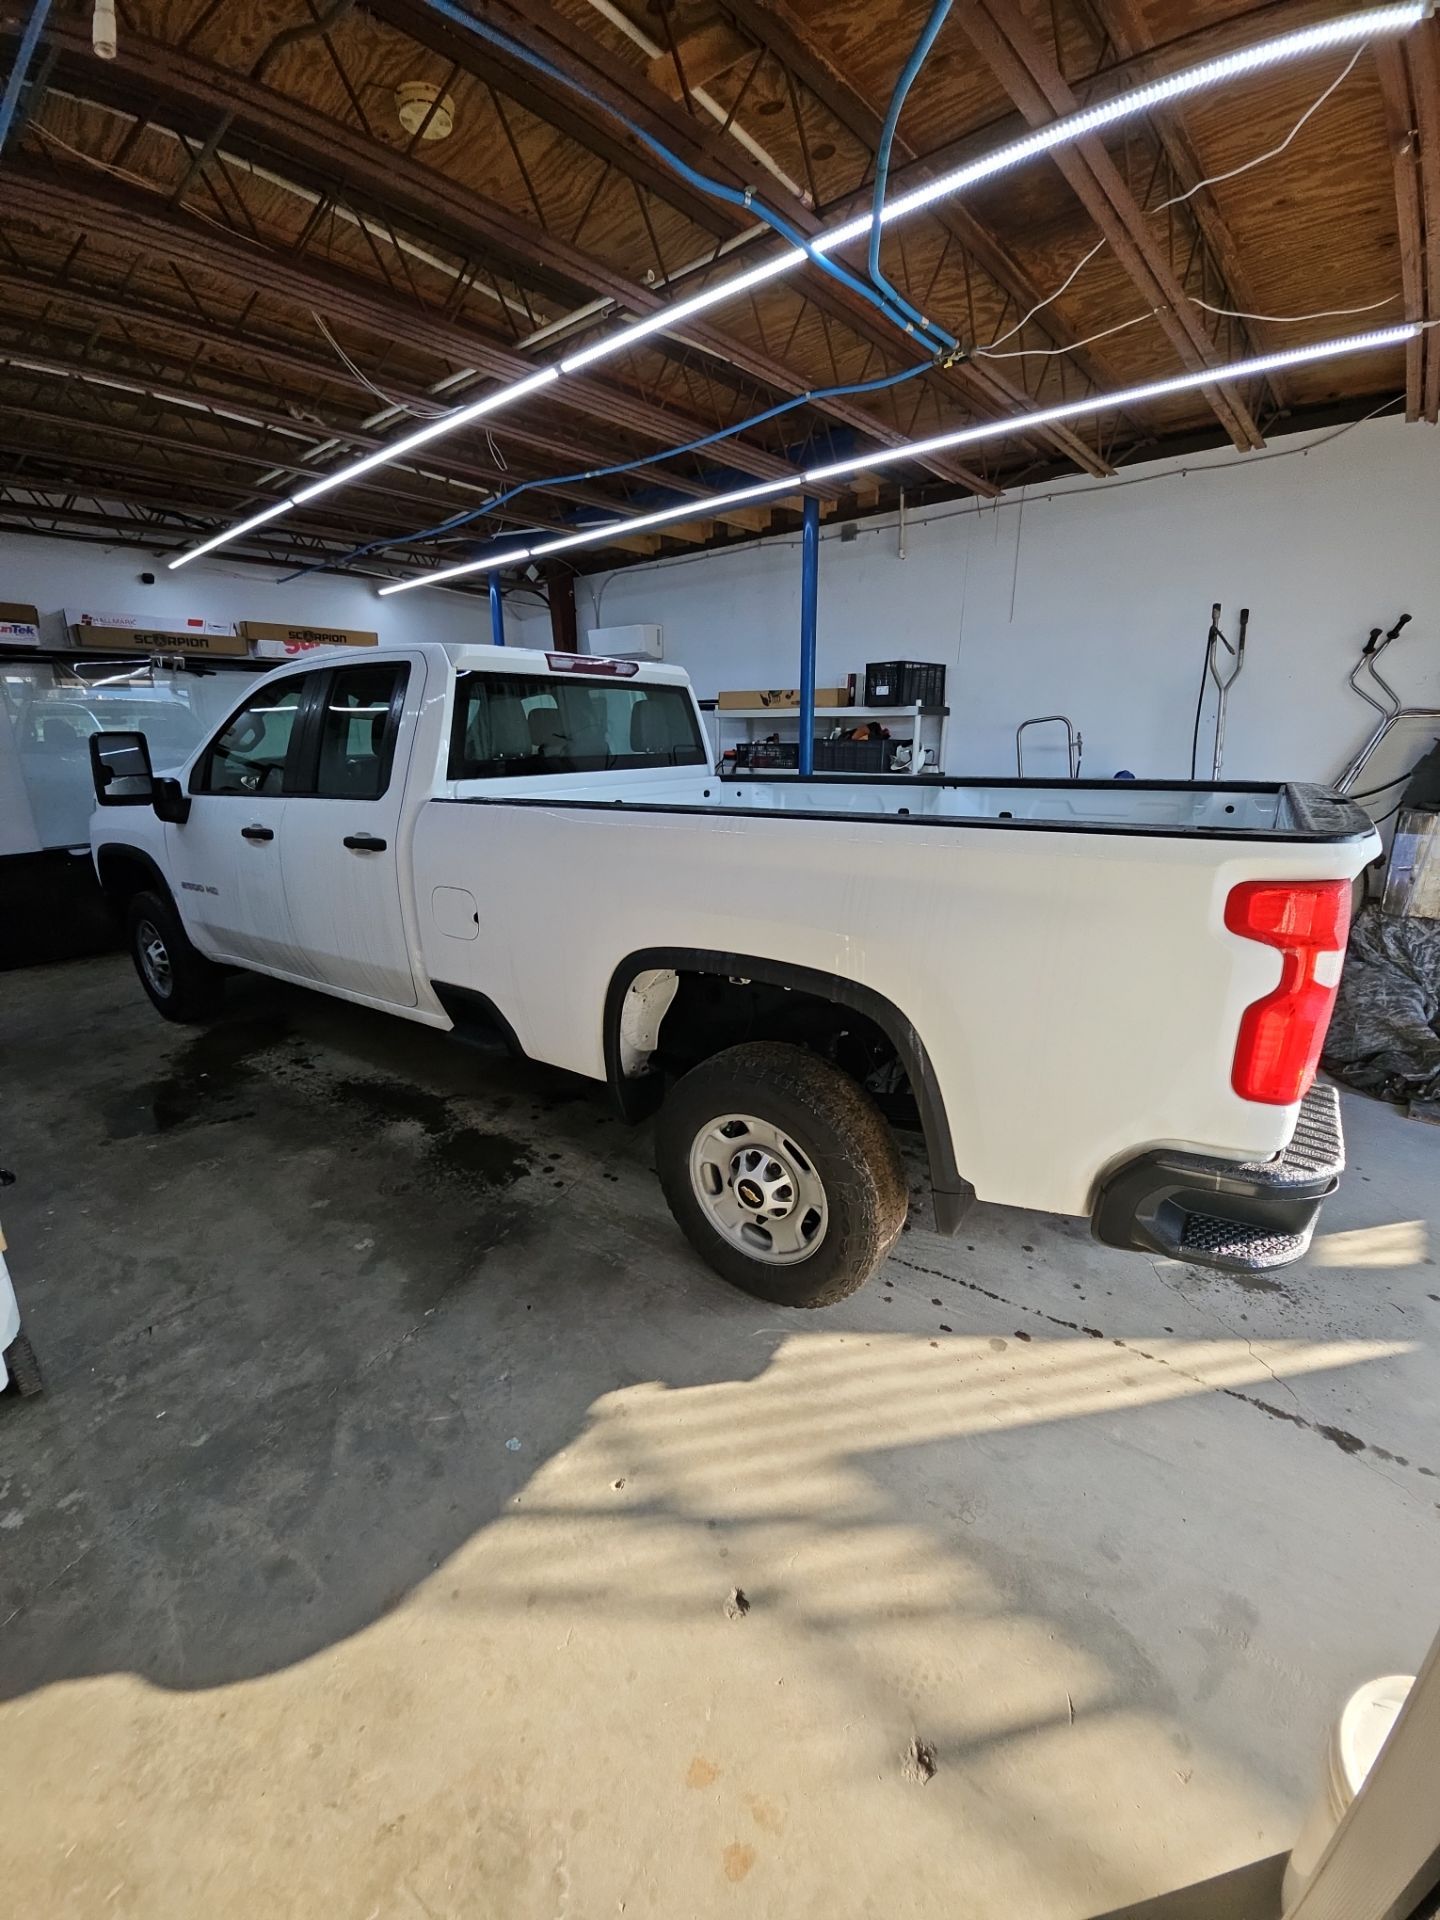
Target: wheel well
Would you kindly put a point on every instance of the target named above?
(125, 871)
(668, 1009)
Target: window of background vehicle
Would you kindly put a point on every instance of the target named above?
(508, 724)
(249, 755)
(356, 735)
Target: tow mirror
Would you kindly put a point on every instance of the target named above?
(120, 768)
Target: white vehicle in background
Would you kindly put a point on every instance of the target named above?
(1098, 998)
(18, 1365)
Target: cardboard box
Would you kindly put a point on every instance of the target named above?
(274, 641)
(19, 624)
(743, 697)
(131, 640)
(147, 623)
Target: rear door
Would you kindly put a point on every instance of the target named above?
(226, 857)
(340, 852)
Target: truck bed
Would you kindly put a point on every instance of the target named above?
(1171, 807)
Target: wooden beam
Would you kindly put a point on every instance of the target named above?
(1422, 54)
(775, 25)
(560, 591)
(1404, 144)
(1130, 34)
(1030, 76)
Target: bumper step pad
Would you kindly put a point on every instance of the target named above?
(1239, 1217)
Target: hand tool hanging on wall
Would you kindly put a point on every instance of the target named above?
(1224, 680)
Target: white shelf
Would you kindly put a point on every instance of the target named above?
(825, 713)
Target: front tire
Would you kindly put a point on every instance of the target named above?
(781, 1173)
(182, 984)
(23, 1368)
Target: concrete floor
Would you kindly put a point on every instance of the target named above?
(369, 1554)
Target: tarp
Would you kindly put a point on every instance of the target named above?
(1385, 1034)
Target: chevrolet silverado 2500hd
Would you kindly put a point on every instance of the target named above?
(1098, 998)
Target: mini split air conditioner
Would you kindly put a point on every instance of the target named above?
(626, 643)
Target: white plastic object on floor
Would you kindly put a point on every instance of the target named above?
(1351, 1751)
(9, 1314)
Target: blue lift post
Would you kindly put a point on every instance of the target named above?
(497, 613)
(809, 595)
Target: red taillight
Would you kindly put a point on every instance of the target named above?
(1281, 1035)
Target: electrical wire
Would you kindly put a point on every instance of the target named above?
(1210, 180)
(1369, 793)
(421, 407)
(1051, 353)
(493, 505)
(919, 53)
(747, 198)
(1288, 319)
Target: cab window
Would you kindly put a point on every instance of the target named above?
(508, 724)
(250, 752)
(357, 732)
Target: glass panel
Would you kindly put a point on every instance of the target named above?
(523, 724)
(354, 731)
(123, 757)
(249, 756)
(54, 708)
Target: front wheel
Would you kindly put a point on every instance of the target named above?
(781, 1173)
(182, 983)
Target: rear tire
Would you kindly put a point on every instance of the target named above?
(23, 1368)
(182, 984)
(781, 1173)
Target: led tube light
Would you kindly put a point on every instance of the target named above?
(1344, 31)
(963, 436)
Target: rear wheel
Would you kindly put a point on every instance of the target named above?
(182, 983)
(781, 1173)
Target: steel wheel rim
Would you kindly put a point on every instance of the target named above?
(759, 1189)
(154, 960)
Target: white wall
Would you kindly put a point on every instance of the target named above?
(55, 574)
(1092, 598)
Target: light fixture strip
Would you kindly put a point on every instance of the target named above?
(1350, 28)
(963, 436)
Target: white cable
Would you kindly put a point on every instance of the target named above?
(1049, 353)
(1286, 319)
(1190, 192)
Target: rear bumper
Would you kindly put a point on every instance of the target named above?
(1241, 1218)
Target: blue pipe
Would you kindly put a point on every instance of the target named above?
(918, 56)
(809, 598)
(458, 520)
(29, 40)
(497, 613)
(717, 189)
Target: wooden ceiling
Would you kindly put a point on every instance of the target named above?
(227, 267)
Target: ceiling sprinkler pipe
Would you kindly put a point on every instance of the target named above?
(102, 30)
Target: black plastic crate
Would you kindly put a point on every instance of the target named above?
(762, 754)
(854, 756)
(904, 683)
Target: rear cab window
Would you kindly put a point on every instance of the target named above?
(509, 724)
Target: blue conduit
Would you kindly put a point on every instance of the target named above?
(717, 190)
(29, 40)
(809, 598)
(912, 66)
(458, 520)
(497, 613)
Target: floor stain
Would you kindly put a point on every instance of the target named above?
(1337, 1436)
(492, 1160)
(703, 1772)
(738, 1859)
(206, 1086)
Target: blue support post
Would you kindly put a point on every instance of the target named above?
(29, 40)
(809, 596)
(497, 613)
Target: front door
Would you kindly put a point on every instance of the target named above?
(340, 852)
(226, 857)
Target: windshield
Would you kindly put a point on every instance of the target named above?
(535, 723)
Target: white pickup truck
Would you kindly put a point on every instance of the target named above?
(1097, 997)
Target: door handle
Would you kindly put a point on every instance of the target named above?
(257, 833)
(364, 843)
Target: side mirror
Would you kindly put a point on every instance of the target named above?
(120, 768)
(171, 801)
